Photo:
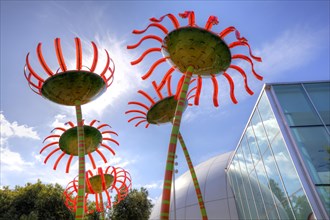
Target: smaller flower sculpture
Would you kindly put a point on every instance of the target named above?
(110, 181)
(67, 142)
(162, 111)
(67, 87)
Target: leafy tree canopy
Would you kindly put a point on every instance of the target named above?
(135, 206)
(33, 201)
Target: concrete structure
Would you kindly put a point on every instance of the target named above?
(280, 168)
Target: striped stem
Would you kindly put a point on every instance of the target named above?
(102, 217)
(194, 178)
(167, 185)
(81, 153)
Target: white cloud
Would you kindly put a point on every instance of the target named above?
(12, 161)
(13, 129)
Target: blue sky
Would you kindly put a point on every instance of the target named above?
(292, 37)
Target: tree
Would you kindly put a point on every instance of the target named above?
(33, 201)
(135, 206)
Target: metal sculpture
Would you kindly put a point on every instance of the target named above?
(162, 111)
(193, 50)
(72, 88)
(66, 141)
(109, 181)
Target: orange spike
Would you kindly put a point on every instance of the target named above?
(95, 57)
(78, 53)
(161, 27)
(167, 74)
(58, 128)
(109, 132)
(103, 125)
(92, 160)
(191, 17)
(213, 20)
(232, 87)
(68, 164)
(31, 70)
(136, 111)
(137, 124)
(189, 93)
(112, 140)
(169, 89)
(230, 29)
(93, 122)
(31, 84)
(243, 43)
(109, 148)
(146, 96)
(179, 87)
(136, 117)
(198, 91)
(42, 61)
(215, 91)
(59, 54)
(58, 160)
(51, 153)
(152, 68)
(106, 67)
(88, 183)
(51, 136)
(241, 56)
(103, 157)
(171, 17)
(241, 71)
(143, 39)
(144, 54)
(140, 104)
(48, 145)
(156, 89)
(70, 123)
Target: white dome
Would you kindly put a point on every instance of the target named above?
(217, 194)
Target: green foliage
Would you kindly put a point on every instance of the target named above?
(135, 206)
(34, 201)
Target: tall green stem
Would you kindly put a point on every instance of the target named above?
(102, 216)
(81, 154)
(194, 178)
(166, 196)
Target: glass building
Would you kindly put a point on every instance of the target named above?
(281, 167)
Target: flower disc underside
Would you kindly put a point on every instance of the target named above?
(69, 140)
(199, 48)
(96, 183)
(68, 87)
(162, 111)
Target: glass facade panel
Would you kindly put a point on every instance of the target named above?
(252, 145)
(295, 106)
(311, 134)
(277, 188)
(285, 165)
(259, 133)
(300, 205)
(266, 180)
(268, 118)
(320, 95)
(246, 184)
(313, 143)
